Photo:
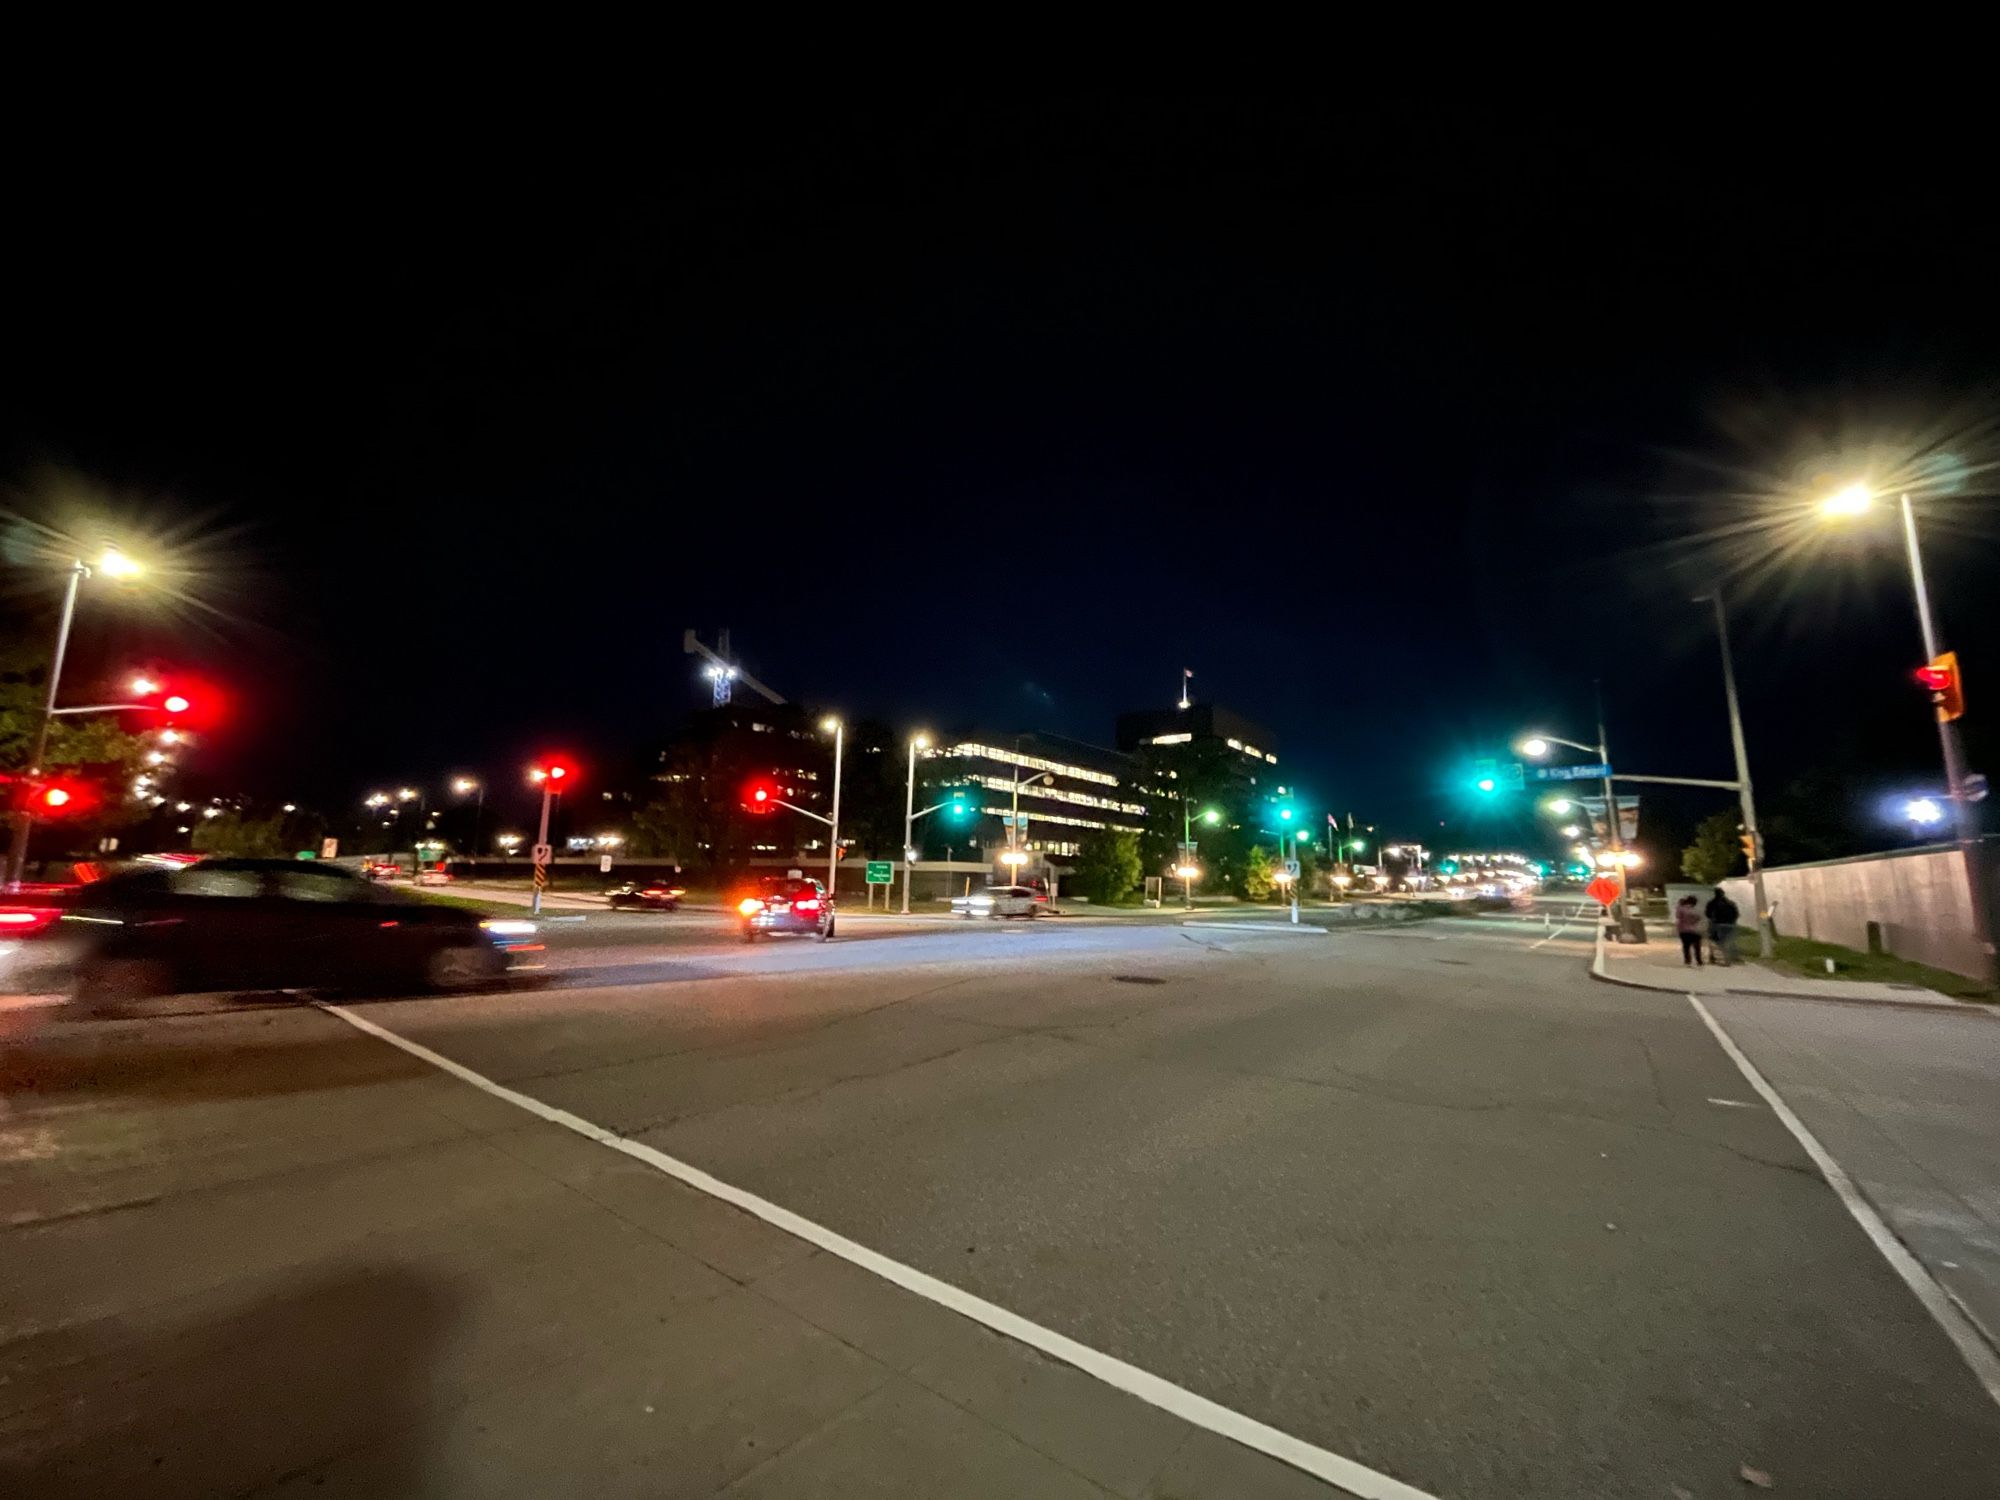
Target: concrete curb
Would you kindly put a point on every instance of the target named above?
(1599, 971)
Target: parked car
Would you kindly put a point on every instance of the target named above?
(646, 895)
(381, 869)
(247, 924)
(786, 904)
(999, 901)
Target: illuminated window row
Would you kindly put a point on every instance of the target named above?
(1172, 739)
(1043, 817)
(972, 751)
(1062, 794)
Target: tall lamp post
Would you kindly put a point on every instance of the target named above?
(463, 785)
(833, 827)
(1767, 943)
(1210, 816)
(917, 742)
(1014, 840)
(112, 564)
(1858, 500)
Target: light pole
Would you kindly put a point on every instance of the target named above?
(112, 564)
(1210, 816)
(413, 794)
(1767, 945)
(833, 828)
(917, 742)
(550, 778)
(1014, 824)
(1538, 745)
(466, 784)
(1857, 500)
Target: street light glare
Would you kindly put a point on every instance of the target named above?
(921, 741)
(464, 784)
(1923, 810)
(829, 723)
(115, 564)
(1854, 500)
(1535, 745)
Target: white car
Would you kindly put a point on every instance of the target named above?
(997, 901)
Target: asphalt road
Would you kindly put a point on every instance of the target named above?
(1426, 1198)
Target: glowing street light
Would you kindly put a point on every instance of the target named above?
(1535, 746)
(1923, 810)
(1853, 500)
(1858, 499)
(469, 785)
(112, 564)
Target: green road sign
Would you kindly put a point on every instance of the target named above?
(881, 872)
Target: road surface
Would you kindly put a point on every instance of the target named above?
(1426, 1204)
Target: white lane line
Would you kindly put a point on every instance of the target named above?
(1732, 1103)
(1356, 1478)
(1304, 929)
(1957, 1327)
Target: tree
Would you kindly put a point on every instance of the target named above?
(1715, 851)
(1259, 874)
(89, 740)
(234, 834)
(1107, 865)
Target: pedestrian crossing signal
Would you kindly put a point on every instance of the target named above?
(1947, 689)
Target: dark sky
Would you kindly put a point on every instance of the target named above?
(1397, 433)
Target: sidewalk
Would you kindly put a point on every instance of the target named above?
(1658, 966)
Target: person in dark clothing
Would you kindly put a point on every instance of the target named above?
(1722, 914)
(1687, 923)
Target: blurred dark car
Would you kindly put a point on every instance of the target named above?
(647, 895)
(786, 904)
(246, 924)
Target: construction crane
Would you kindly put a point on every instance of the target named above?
(722, 673)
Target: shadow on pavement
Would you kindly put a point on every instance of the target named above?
(231, 1400)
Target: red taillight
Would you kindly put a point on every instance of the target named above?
(806, 903)
(749, 906)
(26, 921)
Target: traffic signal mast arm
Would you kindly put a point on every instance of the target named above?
(806, 812)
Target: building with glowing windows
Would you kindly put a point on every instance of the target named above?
(1202, 725)
(1066, 788)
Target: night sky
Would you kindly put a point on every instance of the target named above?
(1398, 434)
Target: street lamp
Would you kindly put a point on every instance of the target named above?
(1858, 499)
(112, 564)
(833, 828)
(462, 785)
(1209, 815)
(1923, 811)
(917, 742)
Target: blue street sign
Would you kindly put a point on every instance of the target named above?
(1569, 773)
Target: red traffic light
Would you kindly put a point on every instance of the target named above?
(175, 704)
(55, 797)
(1939, 677)
(761, 796)
(554, 771)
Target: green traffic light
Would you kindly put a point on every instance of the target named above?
(1486, 784)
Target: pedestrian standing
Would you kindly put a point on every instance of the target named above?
(1722, 914)
(1687, 923)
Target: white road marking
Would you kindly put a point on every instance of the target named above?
(1733, 1103)
(1356, 1478)
(1974, 1349)
(1304, 929)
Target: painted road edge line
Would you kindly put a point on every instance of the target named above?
(1356, 1478)
(1965, 1337)
(1304, 929)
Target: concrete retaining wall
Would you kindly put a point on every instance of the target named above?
(1920, 898)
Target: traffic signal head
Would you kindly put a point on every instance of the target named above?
(1485, 777)
(959, 808)
(552, 774)
(1941, 680)
(760, 796)
(56, 797)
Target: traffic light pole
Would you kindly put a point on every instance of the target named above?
(541, 874)
(833, 823)
(1964, 810)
